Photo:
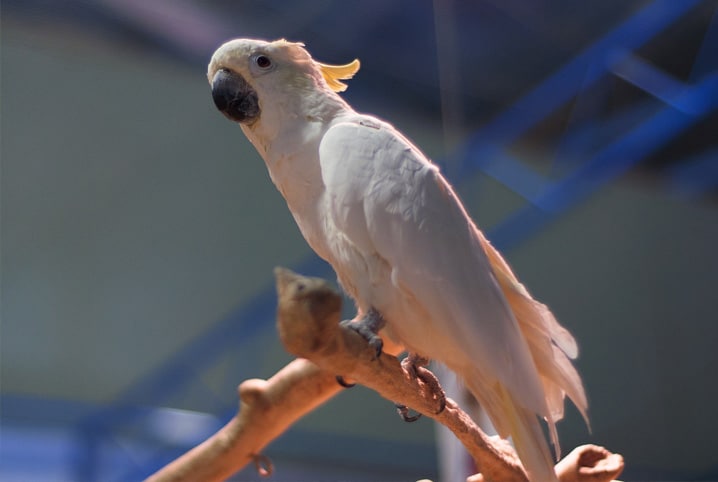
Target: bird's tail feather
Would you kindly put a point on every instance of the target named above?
(552, 346)
(522, 425)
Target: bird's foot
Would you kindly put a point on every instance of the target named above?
(368, 326)
(414, 365)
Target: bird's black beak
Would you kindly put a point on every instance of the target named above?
(234, 97)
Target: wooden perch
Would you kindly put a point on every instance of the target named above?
(266, 409)
(308, 323)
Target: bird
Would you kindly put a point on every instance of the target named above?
(422, 275)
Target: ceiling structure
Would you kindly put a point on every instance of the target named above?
(460, 61)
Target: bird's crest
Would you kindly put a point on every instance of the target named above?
(287, 43)
(334, 74)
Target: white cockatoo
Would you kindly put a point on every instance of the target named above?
(403, 247)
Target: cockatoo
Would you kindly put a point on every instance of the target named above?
(401, 242)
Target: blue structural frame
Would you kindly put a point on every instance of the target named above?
(671, 108)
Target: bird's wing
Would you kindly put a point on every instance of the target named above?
(390, 202)
(390, 205)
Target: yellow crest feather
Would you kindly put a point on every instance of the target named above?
(334, 74)
(283, 41)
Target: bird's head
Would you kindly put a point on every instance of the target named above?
(246, 74)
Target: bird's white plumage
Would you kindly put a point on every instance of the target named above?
(379, 211)
(403, 245)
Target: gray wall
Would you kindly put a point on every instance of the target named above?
(130, 218)
(134, 217)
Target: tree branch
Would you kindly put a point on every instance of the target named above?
(266, 409)
(308, 323)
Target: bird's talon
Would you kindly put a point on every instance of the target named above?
(378, 344)
(442, 403)
(403, 411)
(263, 464)
(414, 366)
(367, 327)
(344, 383)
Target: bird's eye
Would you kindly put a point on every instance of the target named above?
(263, 62)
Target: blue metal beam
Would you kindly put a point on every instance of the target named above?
(608, 164)
(706, 60)
(653, 81)
(578, 73)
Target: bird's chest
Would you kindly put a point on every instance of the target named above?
(362, 272)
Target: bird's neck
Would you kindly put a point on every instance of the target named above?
(292, 120)
(287, 136)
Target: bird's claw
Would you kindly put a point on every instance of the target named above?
(372, 338)
(344, 383)
(368, 327)
(414, 365)
(404, 413)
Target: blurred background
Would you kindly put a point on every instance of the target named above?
(140, 228)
